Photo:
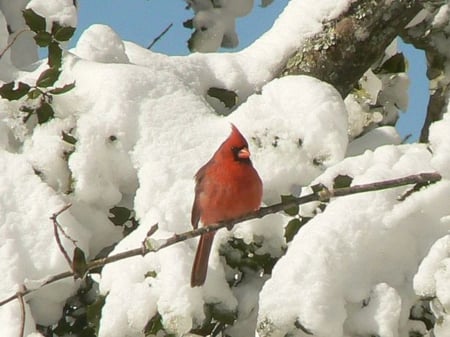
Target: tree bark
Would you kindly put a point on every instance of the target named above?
(350, 44)
(426, 37)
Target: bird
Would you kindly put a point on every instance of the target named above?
(226, 187)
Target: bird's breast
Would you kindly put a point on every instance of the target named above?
(229, 193)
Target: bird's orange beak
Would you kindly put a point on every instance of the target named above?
(244, 153)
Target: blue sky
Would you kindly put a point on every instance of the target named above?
(141, 21)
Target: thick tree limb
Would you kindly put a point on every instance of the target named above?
(436, 105)
(426, 37)
(349, 45)
(321, 194)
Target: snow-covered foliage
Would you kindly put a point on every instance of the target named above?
(132, 134)
(214, 23)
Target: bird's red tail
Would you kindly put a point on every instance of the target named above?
(200, 267)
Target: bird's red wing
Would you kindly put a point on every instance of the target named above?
(196, 211)
(195, 214)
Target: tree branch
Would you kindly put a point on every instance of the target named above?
(427, 37)
(57, 226)
(321, 193)
(156, 39)
(350, 44)
(13, 40)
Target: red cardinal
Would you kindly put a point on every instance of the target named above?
(227, 187)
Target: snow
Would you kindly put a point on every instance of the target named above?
(62, 11)
(331, 271)
(384, 135)
(101, 44)
(143, 127)
(214, 23)
(29, 249)
(24, 51)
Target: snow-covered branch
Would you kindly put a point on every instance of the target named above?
(321, 193)
(347, 46)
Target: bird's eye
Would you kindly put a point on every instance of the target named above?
(203, 28)
(240, 154)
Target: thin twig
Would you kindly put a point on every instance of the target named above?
(319, 195)
(57, 226)
(13, 41)
(54, 218)
(159, 36)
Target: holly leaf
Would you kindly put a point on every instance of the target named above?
(154, 325)
(35, 93)
(292, 211)
(48, 77)
(54, 55)
(342, 181)
(63, 89)
(64, 33)
(12, 94)
(94, 312)
(44, 113)
(79, 264)
(291, 229)
(43, 38)
(120, 215)
(34, 20)
(188, 24)
(227, 97)
(68, 138)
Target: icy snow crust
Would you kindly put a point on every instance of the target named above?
(143, 128)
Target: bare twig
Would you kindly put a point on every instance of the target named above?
(57, 226)
(9, 45)
(320, 194)
(22, 310)
(156, 39)
(54, 218)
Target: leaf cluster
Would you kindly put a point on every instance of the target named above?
(43, 90)
(81, 313)
(124, 217)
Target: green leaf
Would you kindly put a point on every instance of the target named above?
(291, 229)
(154, 325)
(342, 181)
(7, 90)
(287, 199)
(44, 113)
(220, 314)
(54, 55)
(68, 138)
(188, 24)
(64, 33)
(79, 264)
(294, 226)
(227, 97)
(94, 312)
(42, 38)
(48, 77)
(63, 89)
(35, 93)
(120, 215)
(33, 20)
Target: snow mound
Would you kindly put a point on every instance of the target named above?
(101, 44)
(337, 265)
